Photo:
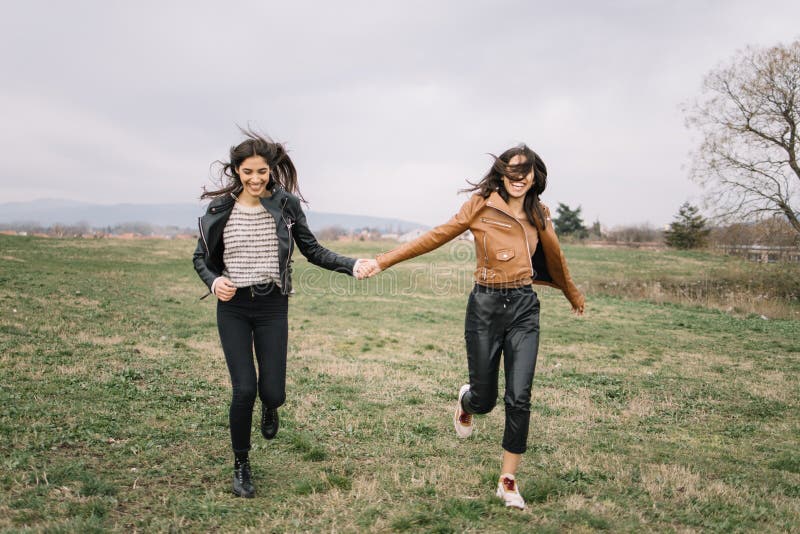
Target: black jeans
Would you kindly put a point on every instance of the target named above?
(256, 316)
(502, 321)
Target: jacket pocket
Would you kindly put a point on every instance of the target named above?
(494, 222)
(504, 254)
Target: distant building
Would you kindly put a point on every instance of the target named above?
(763, 253)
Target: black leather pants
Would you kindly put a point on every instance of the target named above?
(502, 321)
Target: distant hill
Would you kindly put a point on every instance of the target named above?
(47, 212)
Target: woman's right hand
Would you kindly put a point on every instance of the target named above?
(224, 288)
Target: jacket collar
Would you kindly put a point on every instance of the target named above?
(226, 202)
(277, 196)
(221, 203)
(497, 202)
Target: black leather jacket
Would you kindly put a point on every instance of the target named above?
(289, 219)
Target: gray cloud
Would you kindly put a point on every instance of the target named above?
(387, 107)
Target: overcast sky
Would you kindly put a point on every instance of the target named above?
(386, 107)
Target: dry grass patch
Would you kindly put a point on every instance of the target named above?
(103, 341)
(639, 406)
(670, 482)
(576, 406)
(361, 371)
(773, 385)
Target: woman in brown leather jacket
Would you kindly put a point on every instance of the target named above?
(516, 247)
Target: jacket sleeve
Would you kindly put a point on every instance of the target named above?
(432, 239)
(310, 247)
(559, 270)
(206, 275)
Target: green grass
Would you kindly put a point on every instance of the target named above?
(690, 277)
(649, 413)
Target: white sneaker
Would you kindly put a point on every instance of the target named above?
(462, 420)
(508, 490)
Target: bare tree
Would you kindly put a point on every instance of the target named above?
(772, 231)
(642, 233)
(748, 117)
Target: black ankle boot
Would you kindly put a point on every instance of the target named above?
(242, 484)
(269, 422)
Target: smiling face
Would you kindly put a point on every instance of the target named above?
(518, 188)
(254, 174)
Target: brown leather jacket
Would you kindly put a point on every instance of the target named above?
(501, 247)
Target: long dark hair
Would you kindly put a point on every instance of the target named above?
(493, 180)
(281, 168)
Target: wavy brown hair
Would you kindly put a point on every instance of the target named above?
(493, 180)
(281, 169)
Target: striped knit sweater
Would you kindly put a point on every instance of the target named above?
(251, 247)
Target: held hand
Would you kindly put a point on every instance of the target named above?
(224, 289)
(371, 268)
(360, 271)
(364, 268)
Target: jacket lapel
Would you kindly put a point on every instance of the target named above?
(497, 202)
(274, 205)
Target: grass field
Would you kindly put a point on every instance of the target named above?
(659, 410)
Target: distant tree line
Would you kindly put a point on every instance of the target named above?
(634, 233)
(688, 230)
(83, 228)
(332, 233)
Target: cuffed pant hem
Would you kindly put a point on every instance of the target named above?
(515, 450)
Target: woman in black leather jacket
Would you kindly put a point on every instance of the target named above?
(243, 255)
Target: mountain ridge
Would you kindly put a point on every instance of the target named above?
(51, 211)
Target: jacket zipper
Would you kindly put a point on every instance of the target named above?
(485, 256)
(289, 225)
(497, 223)
(524, 233)
(205, 245)
(203, 236)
